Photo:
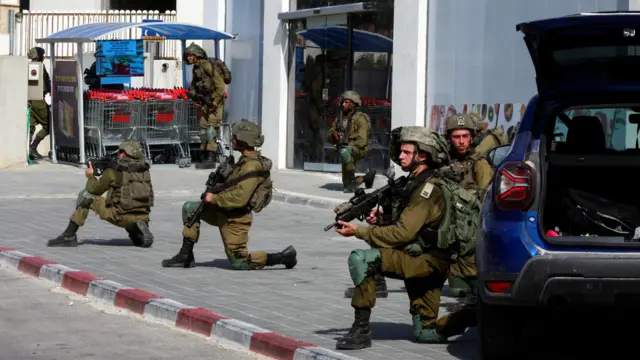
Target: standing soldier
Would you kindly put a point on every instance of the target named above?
(207, 88)
(485, 140)
(128, 202)
(40, 112)
(349, 135)
(417, 246)
(247, 188)
(474, 171)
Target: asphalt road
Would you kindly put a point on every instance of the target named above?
(46, 324)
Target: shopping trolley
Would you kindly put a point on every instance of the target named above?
(191, 130)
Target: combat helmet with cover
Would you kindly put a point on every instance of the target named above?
(250, 133)
(222, 68)
(461, 122)
(426, 140)
(35, 53)
(353, 96)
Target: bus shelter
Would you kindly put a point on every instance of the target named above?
(89, 33)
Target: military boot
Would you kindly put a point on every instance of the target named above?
(140, 235)
(381, 288)
(349, 182)
(33, 149)
(424, 335)
(458, 288)
(209, 162)
(359, 336)
(368, 179)
(286, 257)
(184, 258)
(68, 238)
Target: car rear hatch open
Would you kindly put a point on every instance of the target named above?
(585, 53)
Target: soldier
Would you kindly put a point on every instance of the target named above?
(350, 137)
(40, 112)
(485, 140)
(207, 88)
(248, 188)
(474, 171)
(416, 246)
(128, 202)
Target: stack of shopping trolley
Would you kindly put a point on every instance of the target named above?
(157, 118)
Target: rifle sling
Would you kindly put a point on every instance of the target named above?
(227, 184)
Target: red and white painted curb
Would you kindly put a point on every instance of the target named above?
(146, 304)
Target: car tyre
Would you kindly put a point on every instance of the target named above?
(499, 331)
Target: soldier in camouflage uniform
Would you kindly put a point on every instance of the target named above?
(415, 246)
(207, 88)
(247, 188)
(350, 135)
(475, 172)
(40, 112)
(485, 140)
(128, 203)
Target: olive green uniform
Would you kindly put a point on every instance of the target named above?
(475, 173)
(128, 202)
(207, 83)
(352, 142)
(247, 188)
(484, 141)
(40, 111)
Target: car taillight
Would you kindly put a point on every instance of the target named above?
(514, 186)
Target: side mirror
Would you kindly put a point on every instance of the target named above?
(497, 154)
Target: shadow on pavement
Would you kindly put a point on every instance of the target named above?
(225, 265)
(105, 242)
(379, 330)
(332, 186)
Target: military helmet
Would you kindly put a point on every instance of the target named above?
(195, 50)
(477, 120)
(248, 132)
(460, 121)
(426, 140)
(353, 96)
(132, 148)
(35, 53)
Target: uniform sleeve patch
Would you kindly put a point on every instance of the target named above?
(427, 190)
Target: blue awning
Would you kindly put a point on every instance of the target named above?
(171, 31)
(336, 37)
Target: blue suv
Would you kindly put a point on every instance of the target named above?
(558, 225)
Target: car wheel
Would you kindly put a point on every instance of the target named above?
(499, 331)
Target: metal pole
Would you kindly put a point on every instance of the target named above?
(53, 125)
(217, 50)
(11, 32)
(80, 92)
(183, 46)
(349, 69)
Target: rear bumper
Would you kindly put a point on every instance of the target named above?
(580, 279)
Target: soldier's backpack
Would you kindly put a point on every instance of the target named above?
(222, 69)
(264, 193)
(462, 215)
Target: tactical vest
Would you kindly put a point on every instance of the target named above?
(347, 125)
(135, 192)
(456, 233)
(263, 194)
(465, 168)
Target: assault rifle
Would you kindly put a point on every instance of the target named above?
(216, 177)
(360, 205)
(100, 164)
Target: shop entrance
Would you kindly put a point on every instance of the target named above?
(350, 50)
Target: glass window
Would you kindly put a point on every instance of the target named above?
(618, 131)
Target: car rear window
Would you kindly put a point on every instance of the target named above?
(592, 54)
(619, 134)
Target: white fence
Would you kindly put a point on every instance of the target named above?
(35, 25)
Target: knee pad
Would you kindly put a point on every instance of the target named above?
(345, 154)
(359, 261)
(202, 134)
(187, 208)
(210, 134)
(84, 199)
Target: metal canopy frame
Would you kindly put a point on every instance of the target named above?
(88, 33)
(328, 11)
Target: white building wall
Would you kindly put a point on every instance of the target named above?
(68, 5)
(476, 59)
